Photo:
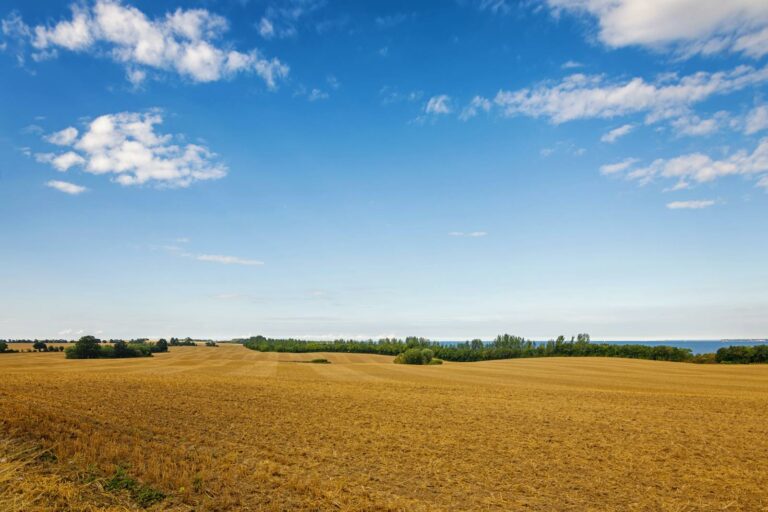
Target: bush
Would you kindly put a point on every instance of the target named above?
(417, 356)
(3, 346)
(211, 344)
(160, 346)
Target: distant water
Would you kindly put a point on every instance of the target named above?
(696, 346)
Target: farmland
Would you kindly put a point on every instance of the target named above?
(233, 429)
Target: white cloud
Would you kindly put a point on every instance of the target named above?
(757, 120)
(701, 168)
(618, 166)
(227, 260)
(317, 94)
(438, 105)
(281, 19)
(685, 26)
(127, 146)
(572, 64)
(63, 138)
(615, 134)
(66, 187)
(185, 41)
(390, 95)
(477, 104)
(471, 234)
(581, 97)
(690, 205)
(693, 125)
(266, 28)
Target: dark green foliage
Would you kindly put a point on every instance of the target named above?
(160, 346)
(742, 355)
(40, 346)
(3, 346)
(211, 344)
(186, 342)
(319, 361)
(88, 347)
(434, 361)
(142, 494)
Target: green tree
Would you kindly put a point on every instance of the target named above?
(40, 346)
(3, 346)
(86, 347)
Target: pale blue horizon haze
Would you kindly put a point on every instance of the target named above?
(325, 169)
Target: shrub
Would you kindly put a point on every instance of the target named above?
(435, 360)
(211, 344)
(160, 346)
(426, 355)
(3, 346)
(410, 356)
(40, 346)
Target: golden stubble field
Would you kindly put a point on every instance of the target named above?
(231, 429)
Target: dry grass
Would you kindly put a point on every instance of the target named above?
(231, 429)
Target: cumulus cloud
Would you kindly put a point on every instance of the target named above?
(126, 146)
(701, 168)
(66, 187)
(690, 205)
(582, 97)
(187, 42)
(757, 120)
(615, 134)
(63, 138)
(438, 105)
(478, 104)
(687, 27)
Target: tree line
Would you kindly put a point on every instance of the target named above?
(90, 347)
(504, 346)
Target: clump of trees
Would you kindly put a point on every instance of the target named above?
(90, 347)
(418, 356)
(186, 342)
(4, 347)
(739, 354)
(211, 344)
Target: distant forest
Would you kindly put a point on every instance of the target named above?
(506, 346)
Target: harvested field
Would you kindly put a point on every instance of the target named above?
(231, 429)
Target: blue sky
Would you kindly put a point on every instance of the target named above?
(364, 169)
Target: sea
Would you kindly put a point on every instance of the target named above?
(696, 346)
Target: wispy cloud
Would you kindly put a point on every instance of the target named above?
(439, 105)
(618, 166)
(690, 205)
(66, 187)
(586, 97)
(615, 134)
(470, 234)
(227, 260)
